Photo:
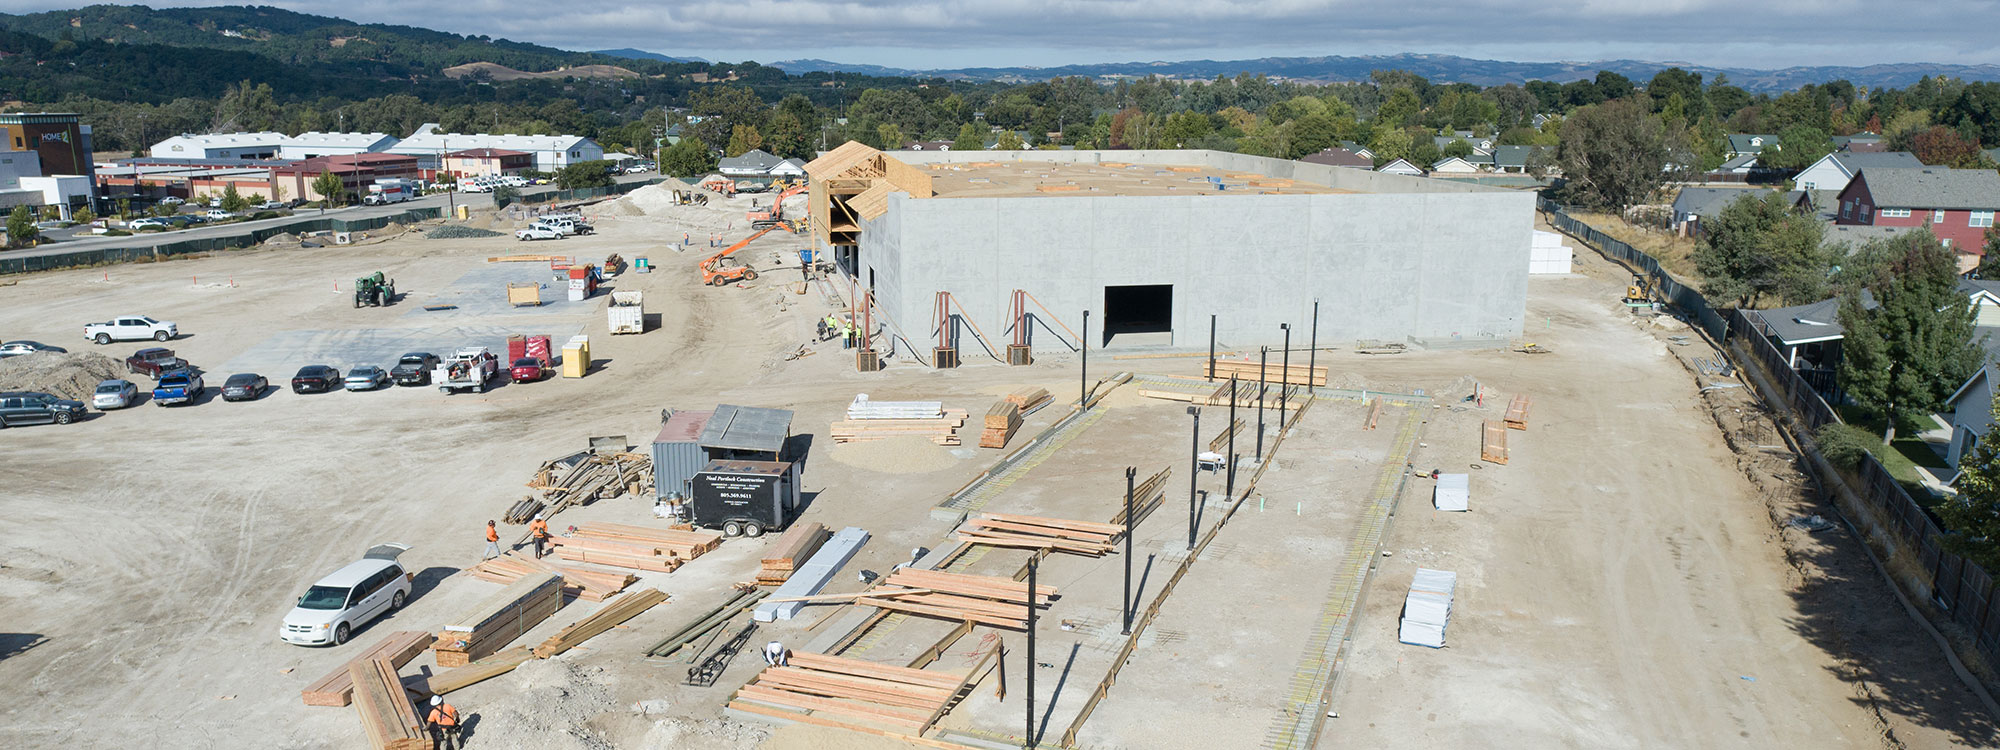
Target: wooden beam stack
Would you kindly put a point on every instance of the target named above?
(638, 547)
(496, 622)
(1374, 413)
(606, 618)
(1222, 438)
(1517, 412)
(1061, 535)
(588, 585)
(855, 689)
(1493, 442)
(337, 689)
(1145, 497)
(988, 600)
(1274, 372)
(1001, 422)
(385, 710)
(791, 551)
(942, 430)
(579, 478)
(478, 671)
(1030, 399)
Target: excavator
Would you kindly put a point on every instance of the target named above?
(715, 273)
(764, 217)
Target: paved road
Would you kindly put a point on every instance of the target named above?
(92, 242)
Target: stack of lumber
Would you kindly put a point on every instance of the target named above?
(476, 672)
(1493, 442)
(998, 601)
(1001, 422)
(385, 710)
(588, 585)
(1274, 372)
(579, 478)
(708, 623)
(791, 551)
(1145, 497)
(637, 547)
(850, 688)
(1246, 395)
(610, 616)
(1057, 534)
(1221, 439)
(862, 408)
(1517, 412)
(337, 688)
(1030, 399)
(877, 424)
(496, 622)
(1374, 413)
(523, 511)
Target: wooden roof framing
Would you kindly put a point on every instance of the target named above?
(853, 182)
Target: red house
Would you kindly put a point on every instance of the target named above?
(1956, 204)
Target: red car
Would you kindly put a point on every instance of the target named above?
(528, 369)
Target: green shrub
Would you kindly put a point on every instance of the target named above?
(265, 215)
(1843, 444)
(116, 233)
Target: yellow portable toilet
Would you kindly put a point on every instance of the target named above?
(464, 212)
(576, 357)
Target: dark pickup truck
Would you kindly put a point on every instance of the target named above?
(414, 368)
(177, 387)
(153, 361)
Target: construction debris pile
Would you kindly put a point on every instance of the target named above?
(791, 551)
(876, 420)
(457, 232)
(70, 376)
(638, 547)
(588, 585)
(581, 477)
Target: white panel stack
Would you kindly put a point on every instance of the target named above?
(808, 579)
(1547, 255)
(1453, 492)
(862, 408)
(1427, 608)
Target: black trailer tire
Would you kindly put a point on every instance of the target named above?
(732, 528)
(753, 529)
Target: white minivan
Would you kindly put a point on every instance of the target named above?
(339, 604)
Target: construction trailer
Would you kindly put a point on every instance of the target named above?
(744, 497)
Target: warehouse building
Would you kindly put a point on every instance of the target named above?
(1151, 243)
(551, 152)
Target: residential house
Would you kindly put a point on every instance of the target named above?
(1358, 149)
(1697, 203)
(1956, 204)
(1862, 140)
(755, 163)
(927, 145)
(1970, 410)
(1833, 171)
(1479, 145)
(1739, 166)
(1514, 159)
(1541, 119)
(482, 162)
(1453, 165)
(1809, 335)
(1401, 166)
(1750, 144)
(1339, 157)
(1820, 204)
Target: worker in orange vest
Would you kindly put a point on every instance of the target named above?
(444, 725)
(539, 528)
(492, 541)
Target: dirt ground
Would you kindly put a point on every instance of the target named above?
(1623, 582)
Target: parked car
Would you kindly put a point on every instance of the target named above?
(18, 348)
(414, 368)
(172, 201)
(114, 394)
(537, 232)
(188, 219)
(152, 361)
(315, 379)
(149, 222)
(366, 378)
(217, 214)
(130, 328)
(177, 387)
(272, 205)
(334, 607)
(527, 370)
(29, 407)
(563, 227)
(244, 386)
(638, 168)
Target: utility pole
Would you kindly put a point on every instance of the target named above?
(1127, 608)
(1194, 468)
(1285, 383)
(1030, 734)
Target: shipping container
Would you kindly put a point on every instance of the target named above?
(677, 453)
(627, 313)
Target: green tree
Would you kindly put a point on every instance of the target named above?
(968, 138)
(1989, 264)
(788, 137)
(1184, 128)
(687, 159)
(1401, 108)
(742, 139)
(1614, 154)
(1902, 357)
(584, 174)
(891, 136)
(1759, 247)
(331, 190)
(1458, 147)
(1009, 141)
(1390, 144)
(233, 201)
(505, 195)
(21, 229)
(1798, 147)
(1973, 515)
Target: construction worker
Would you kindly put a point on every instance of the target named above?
(847, 332)
(830, 327)
(539, 529)
(492, 541)
(443, 721)
(775, 654)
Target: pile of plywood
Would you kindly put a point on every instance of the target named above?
(987, 600)
(610, 616)
(877, 420)
(496, 622)
(1493, 442)
(863, 408)
(337, 687)
(1517, 412)
(1273, 371)
(384, 707)
(524, 294)
(850, 688)
(1001, 422)
(792, 550)
(588, 585)
(637, 547)
(1035, 532)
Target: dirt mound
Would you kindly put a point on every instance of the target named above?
(282, 240)
(907, 454)
(72, 376)
(549, 707)
(719, 734)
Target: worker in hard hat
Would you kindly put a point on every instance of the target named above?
(539, 530)
(492, 541)
(775, 654)
(443, 720)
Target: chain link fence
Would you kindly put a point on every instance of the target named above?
(244, 238)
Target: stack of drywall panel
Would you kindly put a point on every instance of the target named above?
(814, 575)
(1427, 607)
(1453, 491)
(862, 408)
(1547, 254)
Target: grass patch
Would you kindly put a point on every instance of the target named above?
(1900, 457)
(1676, 254)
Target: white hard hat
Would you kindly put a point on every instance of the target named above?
(437, 699)
(539, 516)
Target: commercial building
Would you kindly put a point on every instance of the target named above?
(551, 152)
(356, 172)
(263, 145)
(481, 162)
(15, 165)
(312, 144)
(60, 141)
(1152, 243)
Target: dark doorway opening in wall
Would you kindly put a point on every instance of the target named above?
(1139, 315)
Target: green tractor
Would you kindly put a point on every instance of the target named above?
(374, 290)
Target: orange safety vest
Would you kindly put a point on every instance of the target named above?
(444, 716)
(540, 528)
(492, 534)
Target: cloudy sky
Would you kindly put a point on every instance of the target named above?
(966, 33)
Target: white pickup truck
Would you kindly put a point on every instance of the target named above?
(130, 328)
(471, 367)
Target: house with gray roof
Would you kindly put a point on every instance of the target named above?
(753, 163)
(1844, 142)
(1515, 158)
(1697, 203)
(1957, 205)
(1750, 144)
(1833, 171)
(1339, 157)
